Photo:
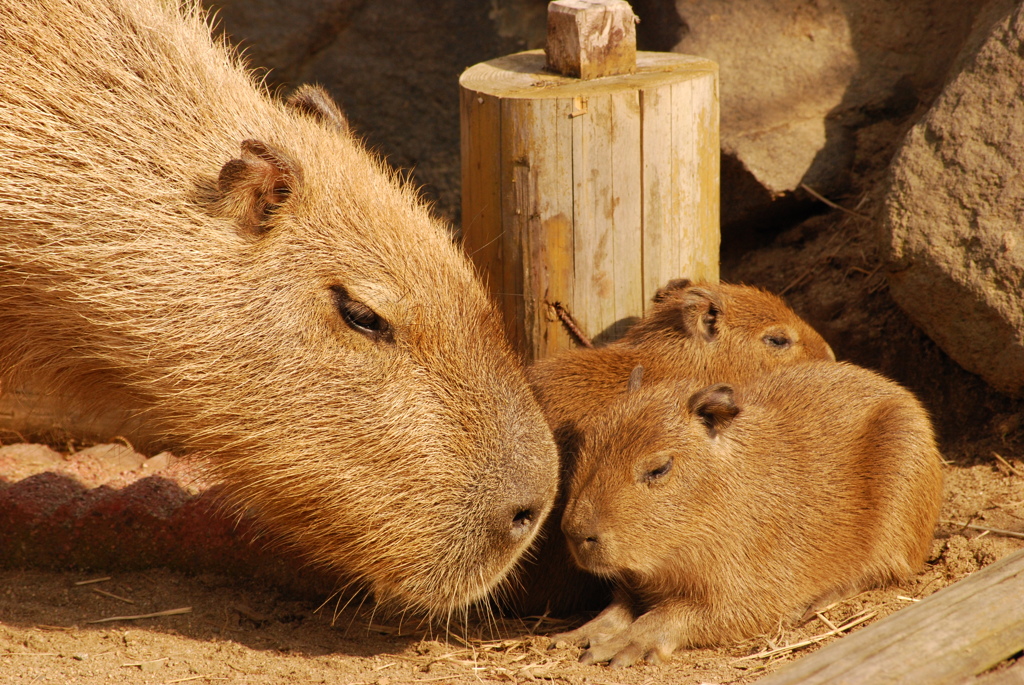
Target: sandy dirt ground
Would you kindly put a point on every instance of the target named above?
(57, 627)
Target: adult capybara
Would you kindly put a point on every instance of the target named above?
(720, 511)
(261, 291)
(698, 331)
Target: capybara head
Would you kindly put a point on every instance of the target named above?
(728, 326)
(262, 291)
(641, 484)
(744, 505)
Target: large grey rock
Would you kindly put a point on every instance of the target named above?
(800, 80)
(954, 211)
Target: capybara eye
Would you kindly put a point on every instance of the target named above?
(777, 340)
(660, 472)
(359, 317)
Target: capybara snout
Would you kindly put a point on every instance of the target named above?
(241, 275)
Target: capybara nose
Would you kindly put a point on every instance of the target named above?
(525, 514)
(583, 537)
(524, 521)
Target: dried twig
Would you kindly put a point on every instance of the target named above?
(570, 323)
(821, 617)
(156, 614)
(821, 198)
(93, 580)
(1006, 464)
(994, 531)
(810, 641)
(112, 595)
(139, 664)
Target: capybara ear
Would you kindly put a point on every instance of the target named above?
(317, 103)
(715, 406)
(253, 187)
(700, 310)
(676, 284)
(636, 377)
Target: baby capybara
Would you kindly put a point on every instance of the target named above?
(700, 331)
(720, 511)
(256, 288)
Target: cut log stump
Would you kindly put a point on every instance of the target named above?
(590, 194)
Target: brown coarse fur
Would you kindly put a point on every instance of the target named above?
(699, 331)
(261, 291)
(702, 331)
(721, 511)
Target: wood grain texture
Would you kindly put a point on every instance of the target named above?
(956, 633)
(607, 189)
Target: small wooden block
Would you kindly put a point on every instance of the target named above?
(591, 38)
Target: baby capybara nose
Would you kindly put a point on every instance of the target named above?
(582, 535)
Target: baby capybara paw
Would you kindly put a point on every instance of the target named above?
(625, 649)
(652, 637)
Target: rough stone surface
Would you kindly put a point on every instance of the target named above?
(955, 208)
(800, 78)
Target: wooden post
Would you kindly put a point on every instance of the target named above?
(958, 632)
(588, 193)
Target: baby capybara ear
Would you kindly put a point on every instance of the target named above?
(253, 187)
(715, 406)
(670, 288)
(694, 311)
(317, 103)
(683, 309)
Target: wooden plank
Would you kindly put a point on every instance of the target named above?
(515, 183)
(958, 632)
(480, 131)
(594, 304)
(1013, 675)
(626, 210)
(704, 237)
(549, 273)
(657, 152)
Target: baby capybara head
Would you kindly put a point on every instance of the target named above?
(728, 326)
(259, 290)
(642, 481)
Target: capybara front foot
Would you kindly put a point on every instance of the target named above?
(652, 637)
(613, 620)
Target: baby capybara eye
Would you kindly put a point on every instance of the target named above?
(359, 317)
(777, 340)
(659, 472)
